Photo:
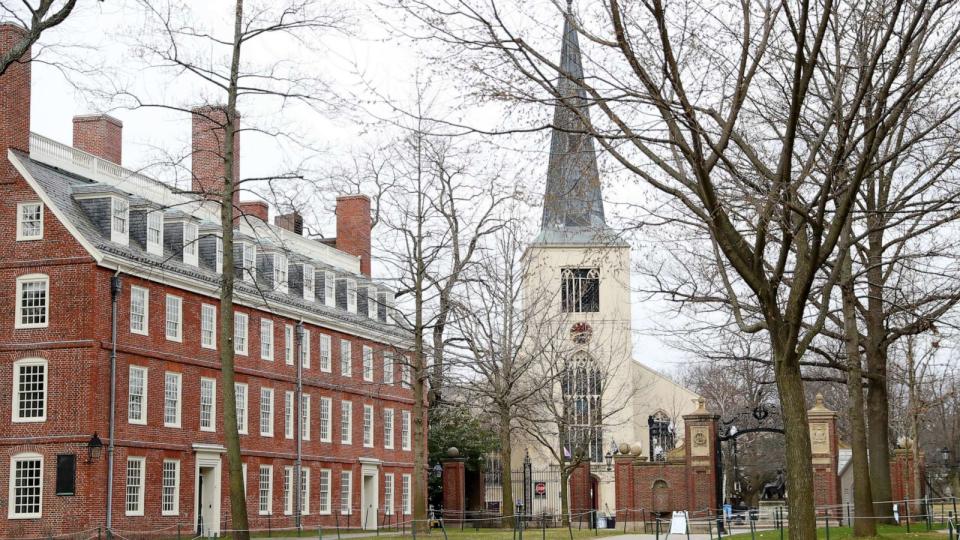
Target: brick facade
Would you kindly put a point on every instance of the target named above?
(353, 228)
(100, 135)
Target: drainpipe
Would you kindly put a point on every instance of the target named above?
(297, 427)
(115, 288)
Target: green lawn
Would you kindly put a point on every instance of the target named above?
(918, 531)
(506, 534)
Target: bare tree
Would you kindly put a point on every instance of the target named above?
(35, 18)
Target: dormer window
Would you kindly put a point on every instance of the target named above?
(351, 296)
(330, 289)
(120, 220)
(155, 233)
(190, 236)
(372, 302)
(280, 272)
(308, 284)
(218, 265)
(249, 260)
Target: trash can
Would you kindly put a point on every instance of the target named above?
(612, 522)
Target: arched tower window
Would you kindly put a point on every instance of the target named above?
(580, 290)
(662, 435)
(582, 388)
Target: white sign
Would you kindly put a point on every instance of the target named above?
(678, 523)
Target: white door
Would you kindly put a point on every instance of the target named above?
(370, 503)
(208, 495)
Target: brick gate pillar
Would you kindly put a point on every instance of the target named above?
(454, 488)
(824, 448)
(581, 500)
(700, 441)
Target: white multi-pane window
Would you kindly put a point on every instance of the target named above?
(241, 403)
(30, 390)
(240, 332)
(351, 296)
(324, 498)
(346, 358)
(171, 399)
(208, 326)
(249, 259)
(288, 414)
(266, 490)
(305, 349)
(33, 301)
(405, 373)
(266, 412)
(287, 491)
(368, 426)
(367, 363)
(170, 494)
(325, 353)
(280, 272)
(387, 367)
(120, 220)
(304, 491)
(288, 344)
(388, 429)
(346, 492)
(305, 417)
(26, 486)
(405, 430)
(346, 422)
(30, 221)
(190, 235)
(388, 494)
(139, 310)
(326, 406)
(372, 304)
(266, 339)
(155, 232)
(330, 289)
(308, 283)
(174, 322)
(218, 255)
(405, 494)
(137, 396)
(134, 493)
(208, 407)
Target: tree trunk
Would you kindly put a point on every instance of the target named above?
(564, 495)
(798, 455)
(878, 436)
(506, 471)
(863, 522)
(436, 380)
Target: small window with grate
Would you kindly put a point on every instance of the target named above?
(580, 290)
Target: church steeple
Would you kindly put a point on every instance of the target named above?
(572, 202)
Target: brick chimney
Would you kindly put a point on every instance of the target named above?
(353, 228)
(14, 101)
(292, 222)
(100, 135)
(208, 133)
(252, 208)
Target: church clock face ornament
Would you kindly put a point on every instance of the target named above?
(581, 333)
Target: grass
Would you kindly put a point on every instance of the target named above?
(507, 534)
(918, 531)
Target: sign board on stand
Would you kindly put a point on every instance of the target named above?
(678, 523)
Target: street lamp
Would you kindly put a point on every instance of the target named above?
(438, 470)
(608, 457)
(945, 456)
(94, 447)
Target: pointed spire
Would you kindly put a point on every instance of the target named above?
(573, 196)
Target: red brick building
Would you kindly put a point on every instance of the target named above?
(71, 219)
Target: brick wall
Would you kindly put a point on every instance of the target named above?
(208, 152)
(14, 102)
(353, 228)
(100, 135)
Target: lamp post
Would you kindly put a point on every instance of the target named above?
(736, 468)
(608, 457)
(437, 471)
(94, 448)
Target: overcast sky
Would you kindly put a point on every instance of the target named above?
(366, 67)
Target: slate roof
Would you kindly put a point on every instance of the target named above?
(60, 186)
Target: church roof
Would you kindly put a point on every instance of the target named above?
(572, 201)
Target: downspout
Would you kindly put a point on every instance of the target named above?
(297, 427)
(115, 288)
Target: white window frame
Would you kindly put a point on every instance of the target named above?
(21, 236)
(191, 242)
(372, 302)
(326, 419)
(288, 413)
(329, 289)
(266, 414)
(176, 303)
(405, 498)
(305, 417)
(305, 349)
(405, 378)
(388, 367)
(155, 223)
(218, 255)
(175, 510)
(143, 397)
(208, 326)
(17, 373)
(11, 500)
(266, 345)
(326, 353)
(367, 363)
(405, 428)
(287, 491)
(351, 296)
(388, 493)
(33, 278)
(243, 407)
(346, 422)
(388, 428)
(138, 511)
(167, 378)
(280, 269)
(213, 404)
(324, 495)
(305, 491)
(346, 358)
(265, 495)
(248, 260)
(288, 344)
(368, 426)
(144, 294)
(241, 333)
(309, 285)
(119, 215)
(346, 484)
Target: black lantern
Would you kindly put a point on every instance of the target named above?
(608, 457)
(438, 470)
(94, 448)
(945, 456)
